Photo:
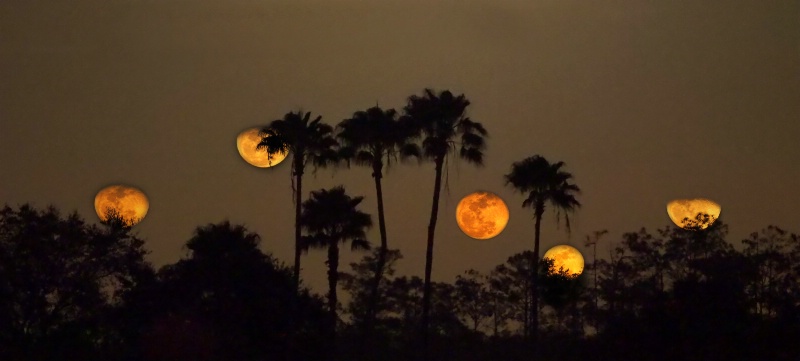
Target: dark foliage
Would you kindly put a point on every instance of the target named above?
(71, 291)
(331, 217)
(310, 142)
(61, 281)
(441, 122)
(226, 301)
(374, 138)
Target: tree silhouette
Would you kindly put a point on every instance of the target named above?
(71, 290)
(309, 141)
(544, 183)
(514, 278)
(375, 138)
(441, 121)
(563, 292)
(58, 278)
(403, 299)
(592, 242)
(358, 284)
(226, 301)
(773, 282)
(700, 222)
(331, 218)
(473, 300)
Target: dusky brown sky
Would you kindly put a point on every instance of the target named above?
(645, 101)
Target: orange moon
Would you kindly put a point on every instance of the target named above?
(247, 141)
(684, 212)
(566, 257)
(482, 215)
(129, 202)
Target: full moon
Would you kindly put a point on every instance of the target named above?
(566, 257)
(247, 141)
(482, 215)
(129, 202)
(693, 213)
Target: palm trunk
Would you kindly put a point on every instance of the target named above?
(426, 293)
(594, 285)
(333, 279)
(376, 281)
(535, 278)
(295, 314)
(298, 173)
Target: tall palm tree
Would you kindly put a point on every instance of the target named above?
(441, 121)
(330, 217)
(309, 141)
(374, 138)
(544, 183)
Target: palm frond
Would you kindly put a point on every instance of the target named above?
(544, 183)
(273, 142)
(472, 140)
(375, 136)
(346, 154)
(472, 155)
(332, 215)
(366, 158)
(308, 242)
(359, 245)
(466, 125)
(410, 150)
(440, 120)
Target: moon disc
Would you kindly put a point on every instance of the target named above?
(129, 202)
(482, 215)
(686, 212)
(246, 143)
(566, 257)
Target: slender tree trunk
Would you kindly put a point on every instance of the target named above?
(494, 313)
(298, 173)
(333, 280)
(426, 293)
(535, 278)
(594, 285)
(297, 169)
(526, 305)
(376, 281)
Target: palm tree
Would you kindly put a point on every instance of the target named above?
(441, 122)
(373, 138)
(331, 217)
(309, 142)
(545, 183)
(592, 242)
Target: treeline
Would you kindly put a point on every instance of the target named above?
(76, 291)
(433, 127)
(73, 291)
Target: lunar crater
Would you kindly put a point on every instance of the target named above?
(129, 203)
(482, 215)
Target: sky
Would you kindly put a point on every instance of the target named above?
(644, 100)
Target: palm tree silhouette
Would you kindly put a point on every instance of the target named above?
(545, 183)
(309, 142)
(331, 217)
(440, 119)
(373, 138)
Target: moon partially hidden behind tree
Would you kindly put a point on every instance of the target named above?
(566, 257)
(128, 202)
(693, 214)
(482, 215)
(246, 143)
